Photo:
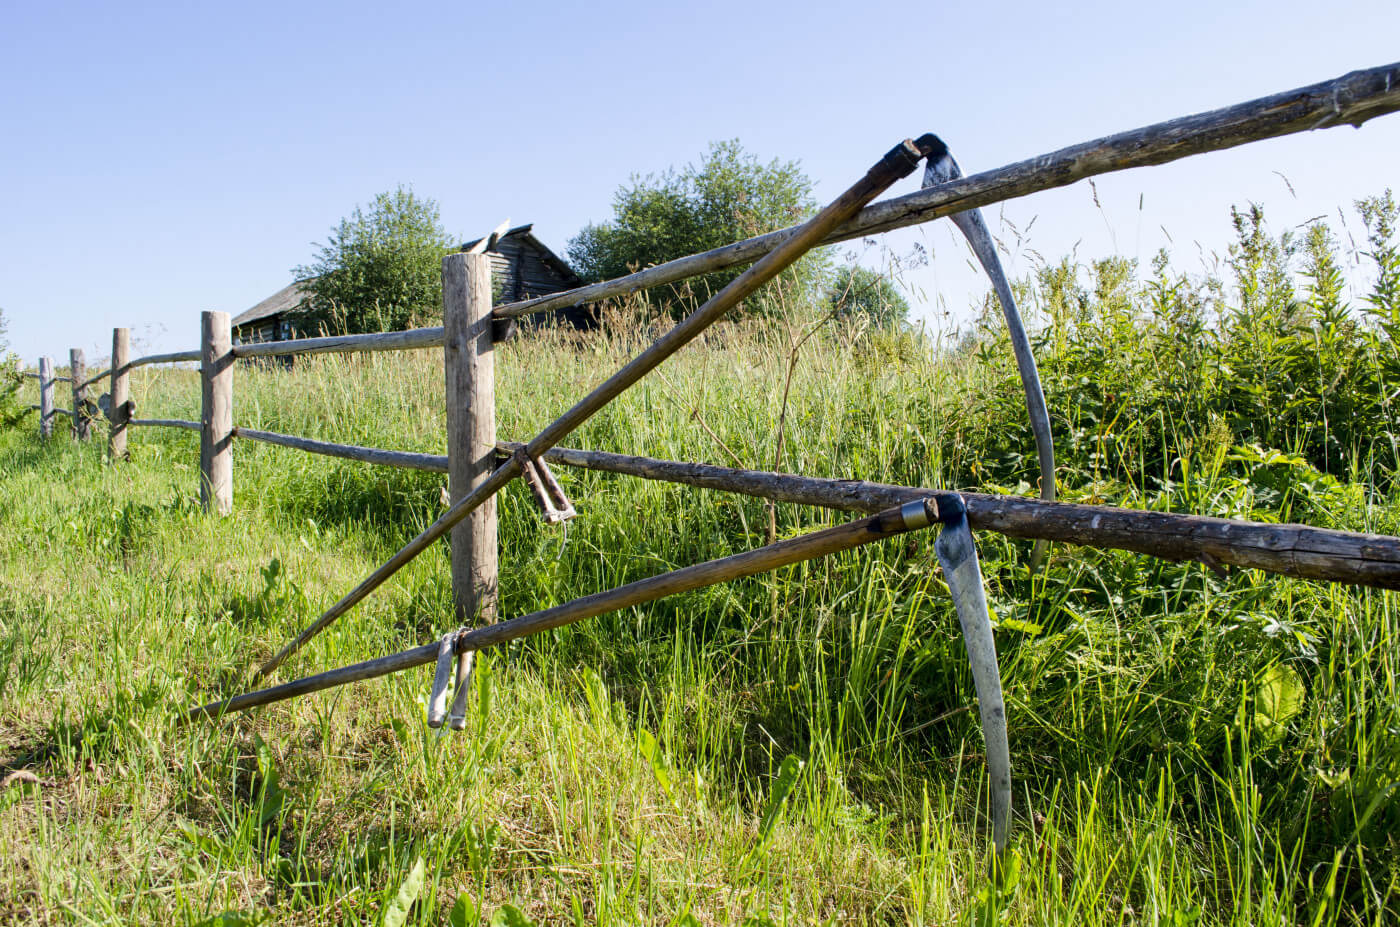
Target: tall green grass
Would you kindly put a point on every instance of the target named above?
(795, 748)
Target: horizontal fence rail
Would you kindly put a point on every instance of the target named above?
(1288, 550)
(346, 344)
(166, 423)
(435, 463)
(175, 357)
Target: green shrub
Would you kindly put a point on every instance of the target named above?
(12, 411)
(380, 269)
(729, 196)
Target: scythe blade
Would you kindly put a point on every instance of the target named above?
(940, 170)
(961, 570)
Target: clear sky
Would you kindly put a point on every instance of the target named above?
(160, 160)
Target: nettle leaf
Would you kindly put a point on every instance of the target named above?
(1278, 697)
(783, 785)
(651, 752)
(396, 911)
(463, 913)
(231, 919)
(508, 915)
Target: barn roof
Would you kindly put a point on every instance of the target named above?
(523, 233)
(286, 298)
(290, 296)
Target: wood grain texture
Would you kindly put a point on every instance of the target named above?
(1348, 100)
(469, 367)
(346, 344)
(1288, 550)
(435, 463)
(77, 366)
(166, 423)
(120, 393)
(173, 358)
(216, 417)
(45, 397)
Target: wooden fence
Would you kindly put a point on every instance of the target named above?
(478, 464)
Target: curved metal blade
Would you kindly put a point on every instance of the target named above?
(939, 171)
(961, 570)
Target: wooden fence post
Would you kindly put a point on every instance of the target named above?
(469, 361)
(120, 392)
(216, 418)
(77, 369)
(45, 397)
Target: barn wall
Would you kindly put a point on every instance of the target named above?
(521, 272)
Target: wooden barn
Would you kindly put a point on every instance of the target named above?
(521, 267)
(270, 319)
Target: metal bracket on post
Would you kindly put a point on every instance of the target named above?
(544, 486)
(442, 677)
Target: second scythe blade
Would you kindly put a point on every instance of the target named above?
(940, 170)
(963, 574)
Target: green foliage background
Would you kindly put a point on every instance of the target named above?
(379, 270)
(859, 292)
(12, 410)
(728, 196)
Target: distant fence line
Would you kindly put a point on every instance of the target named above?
(475, 474)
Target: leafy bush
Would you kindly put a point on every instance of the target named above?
(1141, 372)
(728, 197)
(11, 379)
(857, 291)
(380, 269)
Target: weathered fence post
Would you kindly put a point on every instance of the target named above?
(117, 410)
(45, 397)
(469, 362)
(216, 418)
(77, 368)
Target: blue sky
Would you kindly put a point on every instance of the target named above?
(159, 160)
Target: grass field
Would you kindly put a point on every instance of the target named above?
(796, 748)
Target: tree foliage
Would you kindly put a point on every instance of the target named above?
(728, 196)
(859, 291)
(379, 270)
(11, 379)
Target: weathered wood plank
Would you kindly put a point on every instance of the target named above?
(346, 344)
(435, 463)
(216, 417)
(469, 366)
(1288, 550)
(165, 423)
(45, 397)
(119, 411)
(77, 366)
(173, 358)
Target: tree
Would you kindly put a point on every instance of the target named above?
(728, 197)
(857, 290)
(380, 269)
(11, 412)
